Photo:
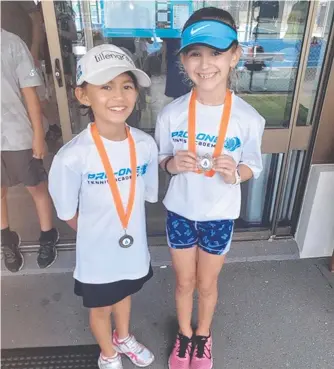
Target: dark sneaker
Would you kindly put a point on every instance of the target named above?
(10, 248)
(53, 133)
(47, 253)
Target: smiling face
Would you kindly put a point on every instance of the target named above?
(112, 102)
(209, 68)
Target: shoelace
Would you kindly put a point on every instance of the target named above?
(133, 345)
(202, 348)
(183, 346)
(9, 254)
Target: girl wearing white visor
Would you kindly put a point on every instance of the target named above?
(99, 183)
(209, 142)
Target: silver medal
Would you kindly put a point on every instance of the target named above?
(205, 163)
(126, 241)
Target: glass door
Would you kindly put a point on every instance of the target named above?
(284, 47)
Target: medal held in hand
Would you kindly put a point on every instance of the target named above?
(206, 162)
(124, 216)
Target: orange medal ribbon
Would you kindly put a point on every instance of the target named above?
(124, 216)
(222, 129)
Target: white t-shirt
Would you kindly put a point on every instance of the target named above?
(196, 196)
(17, 71)
(77, 181)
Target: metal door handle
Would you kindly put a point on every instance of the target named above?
(58, 75)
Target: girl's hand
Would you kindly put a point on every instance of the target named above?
(184, 161)
(226, 166)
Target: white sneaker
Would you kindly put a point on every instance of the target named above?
(110, 363)
(135, 351)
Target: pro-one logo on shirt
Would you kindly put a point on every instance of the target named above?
(203, 139)
(123, 174)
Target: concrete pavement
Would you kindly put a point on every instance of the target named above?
(271, 315)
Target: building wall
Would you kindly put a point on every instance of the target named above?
(315, 230)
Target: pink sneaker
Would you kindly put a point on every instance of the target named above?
(135, 351)
(202, 357)
(181, 353)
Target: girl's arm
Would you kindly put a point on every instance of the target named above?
(73, 223)
(245, 172)
(64, 185)
(226, 166)
(251, 157)
(250, 164)
(183, 161)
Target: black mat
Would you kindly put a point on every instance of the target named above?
(73, 357)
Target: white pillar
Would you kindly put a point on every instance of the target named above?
(315, 231)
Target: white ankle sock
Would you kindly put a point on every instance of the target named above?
(104, 358)
(123, 339)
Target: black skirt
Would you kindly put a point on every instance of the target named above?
(107, 294)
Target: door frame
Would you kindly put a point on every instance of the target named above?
(51, 30)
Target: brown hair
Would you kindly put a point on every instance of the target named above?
(210, 13)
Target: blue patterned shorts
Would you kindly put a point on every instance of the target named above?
(213, 237)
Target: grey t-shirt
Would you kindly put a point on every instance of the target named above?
(15, 18)
(17, 71)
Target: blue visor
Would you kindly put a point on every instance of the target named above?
(212, 33)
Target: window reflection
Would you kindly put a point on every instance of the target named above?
(318, 48)
(270, 33)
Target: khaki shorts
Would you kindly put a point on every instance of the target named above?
(20, 167)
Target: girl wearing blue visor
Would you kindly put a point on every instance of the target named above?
(210, 142)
